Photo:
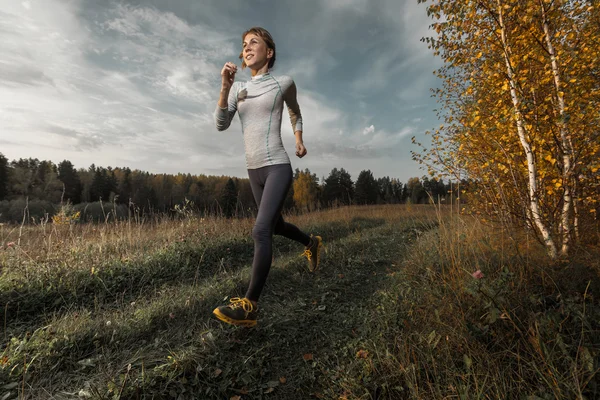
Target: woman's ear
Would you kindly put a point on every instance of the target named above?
(269, 53)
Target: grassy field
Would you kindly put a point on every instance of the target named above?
(123, 311)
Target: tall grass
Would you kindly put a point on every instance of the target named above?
(482, 314)
(412, 301)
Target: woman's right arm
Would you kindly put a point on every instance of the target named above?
(227, 104)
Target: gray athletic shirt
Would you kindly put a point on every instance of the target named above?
(259, 103)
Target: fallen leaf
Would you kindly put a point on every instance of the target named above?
(308, 357)
(270, 390)
(282, 380)
(236, 397)
(362, 354)
(218, 371)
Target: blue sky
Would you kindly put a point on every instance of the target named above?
(135, 83)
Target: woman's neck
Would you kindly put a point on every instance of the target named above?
(261, 71)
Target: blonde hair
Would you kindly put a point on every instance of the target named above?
(264, 35)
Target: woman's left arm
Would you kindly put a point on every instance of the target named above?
(291, 101)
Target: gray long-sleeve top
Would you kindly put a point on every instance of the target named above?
(259, 103)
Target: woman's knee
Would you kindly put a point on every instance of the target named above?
(261, 232)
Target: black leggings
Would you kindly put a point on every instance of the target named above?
(270, 186)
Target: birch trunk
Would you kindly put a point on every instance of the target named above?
(534, 209)
(565, 138)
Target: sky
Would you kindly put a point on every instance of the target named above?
(134, 83)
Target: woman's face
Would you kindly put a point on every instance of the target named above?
(255, 51)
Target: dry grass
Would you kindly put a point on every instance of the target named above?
(122, 310)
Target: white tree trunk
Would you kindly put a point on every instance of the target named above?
(565, 138)
(534, 209)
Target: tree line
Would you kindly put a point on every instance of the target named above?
(41, 187)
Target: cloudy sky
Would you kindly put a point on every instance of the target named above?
(134, 83)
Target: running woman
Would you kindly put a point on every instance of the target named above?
(259, 103)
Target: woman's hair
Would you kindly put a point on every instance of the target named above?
(264, 35)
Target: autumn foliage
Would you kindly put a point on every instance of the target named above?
(520, 97)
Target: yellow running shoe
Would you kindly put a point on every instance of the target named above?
(240, 312)
(313, 252)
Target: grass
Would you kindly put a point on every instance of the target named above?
(122, 310)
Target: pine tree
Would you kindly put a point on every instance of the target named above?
(366, 189)
(3, 177)
(228, 198)
(71, 181)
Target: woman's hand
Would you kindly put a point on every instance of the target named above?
(228, 75)
(300, 149)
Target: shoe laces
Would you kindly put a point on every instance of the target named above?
(307, 253)
(237, 302)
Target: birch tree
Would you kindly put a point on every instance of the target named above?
(520, 121)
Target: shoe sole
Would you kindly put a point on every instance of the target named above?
(224, 318)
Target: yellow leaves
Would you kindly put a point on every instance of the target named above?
(503, 168)
(550, 159)
(483, 134)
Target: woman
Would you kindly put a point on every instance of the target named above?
(259, 103)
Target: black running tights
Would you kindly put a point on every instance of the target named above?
(270, 186)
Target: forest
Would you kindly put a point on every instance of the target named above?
(31, 190)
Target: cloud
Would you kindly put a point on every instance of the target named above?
(134, 83)
(78, 140)
(141, 78)
(359, 6)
